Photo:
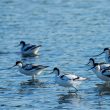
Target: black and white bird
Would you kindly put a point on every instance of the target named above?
(107, 54)
(67, 80)
(92, 64)
(103, 74)
(30, 69)
(28, 50)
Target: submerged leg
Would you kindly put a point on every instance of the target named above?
(108, 83)
(69, 90)
(33, 78)
(75, 89)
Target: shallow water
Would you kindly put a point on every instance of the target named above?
(70, 32)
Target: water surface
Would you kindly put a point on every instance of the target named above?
(70, 32)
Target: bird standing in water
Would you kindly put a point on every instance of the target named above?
(67, 80)
(30, 69)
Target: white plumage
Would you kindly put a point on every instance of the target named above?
(92, 64)
(103, 74)
(30, 69)
(67, 80)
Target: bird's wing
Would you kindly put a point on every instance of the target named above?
(72, 77)
(69, 77)
(28, 66)
(104, 66)
(41, 66)
(106, 72)
(34, 67)
(30, 47)
(102, 63)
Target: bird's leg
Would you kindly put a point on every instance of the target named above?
(108, 84)
(33, 78)
(75, 89)
(69, 91)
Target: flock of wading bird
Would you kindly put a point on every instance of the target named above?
(102, 70)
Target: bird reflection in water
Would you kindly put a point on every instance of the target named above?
(68, 98)
(29, 86)
(36, 83)
(103, 89)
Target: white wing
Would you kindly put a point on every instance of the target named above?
(103, 66)
(72, 77)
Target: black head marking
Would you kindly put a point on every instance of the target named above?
(106, 49)
(22, 42)
(56, 69)
(91, 59)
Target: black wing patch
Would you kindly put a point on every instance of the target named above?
(38, 67)
(69, 79)
(104, 72)
(107, 75)
(102, 63)
(76, 78)
(107, 68)
(30, 47)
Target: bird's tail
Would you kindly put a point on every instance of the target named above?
(39, 46)
(82, 78)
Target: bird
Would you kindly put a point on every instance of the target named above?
(28, 50)
(103, 74)
(30, 69)
(67, 80)
(92, 63)
(107, 54)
